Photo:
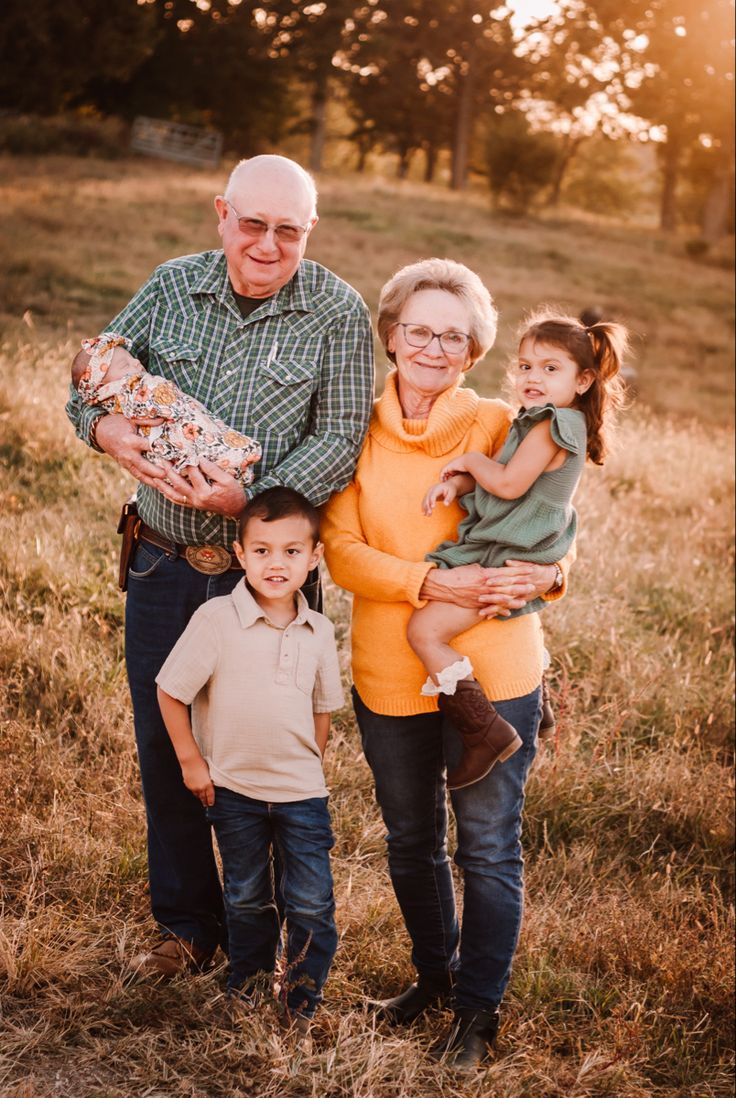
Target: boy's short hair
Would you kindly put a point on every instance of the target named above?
(277, 503)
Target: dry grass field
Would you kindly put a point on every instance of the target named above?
(623, 983)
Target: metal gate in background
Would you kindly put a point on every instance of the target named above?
(176, 141)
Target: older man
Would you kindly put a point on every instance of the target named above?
(281, 349)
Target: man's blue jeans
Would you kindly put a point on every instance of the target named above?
(301, 833)
(186, 899)
(408, 756)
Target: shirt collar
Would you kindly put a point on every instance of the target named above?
(249, 612)
(293, 297)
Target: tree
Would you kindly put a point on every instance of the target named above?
(214, 64)
(683, 83)
(431, 73)
(52, 53)
(309, 35)
(521, 162)
(396, 99)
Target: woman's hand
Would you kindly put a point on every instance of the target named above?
(464, 586)
(514, 585)
(494, 592)
(446, 492)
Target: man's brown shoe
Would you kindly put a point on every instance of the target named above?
(487, 737)
(170, 957)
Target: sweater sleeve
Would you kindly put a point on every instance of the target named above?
(356, 566)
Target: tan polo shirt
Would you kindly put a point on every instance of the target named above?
(254, 688)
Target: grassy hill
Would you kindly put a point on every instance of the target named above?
(623, 983)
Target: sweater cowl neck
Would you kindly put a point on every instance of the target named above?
(450, 418)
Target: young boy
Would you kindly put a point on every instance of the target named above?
(260, 671)
(111, 379)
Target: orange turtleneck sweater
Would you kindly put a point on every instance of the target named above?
(376, 538)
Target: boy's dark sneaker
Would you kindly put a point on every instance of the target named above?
(469, 1040)
(547, 723)
(487, 737)
(300, 1033)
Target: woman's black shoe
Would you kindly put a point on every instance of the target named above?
(469, 1040)
(412, 1003)
(547, 724)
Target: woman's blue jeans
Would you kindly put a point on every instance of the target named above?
(301, 833)
(408, 756)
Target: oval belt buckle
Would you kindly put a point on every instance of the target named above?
(211, 560)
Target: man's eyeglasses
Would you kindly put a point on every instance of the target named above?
(254, 227)
(419, 335)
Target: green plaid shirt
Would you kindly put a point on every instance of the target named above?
(297, 375)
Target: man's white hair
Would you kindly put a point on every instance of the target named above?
(279, 166)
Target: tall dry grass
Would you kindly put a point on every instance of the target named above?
(623, 982)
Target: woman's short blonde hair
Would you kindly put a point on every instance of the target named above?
(453, 278)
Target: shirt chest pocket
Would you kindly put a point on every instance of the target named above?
(306, 671)
(175, 359)
(283, 394)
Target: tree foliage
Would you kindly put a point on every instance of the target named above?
(415, 75)
(53, 53)
(521, 162)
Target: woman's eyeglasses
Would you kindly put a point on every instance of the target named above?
(419, 335)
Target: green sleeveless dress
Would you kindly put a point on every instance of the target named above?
(540, 526)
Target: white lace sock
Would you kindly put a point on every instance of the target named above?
(448, 678)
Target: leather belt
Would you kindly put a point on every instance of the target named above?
(210, 560)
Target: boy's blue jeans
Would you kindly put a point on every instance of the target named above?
(301, 833)
(407, 756)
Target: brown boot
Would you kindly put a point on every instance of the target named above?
(170, 957)
(487, 737)
(547, 724)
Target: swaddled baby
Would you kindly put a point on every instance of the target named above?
(118, 383)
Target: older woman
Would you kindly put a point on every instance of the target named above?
(436, 319)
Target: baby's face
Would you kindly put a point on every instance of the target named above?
(122, 364)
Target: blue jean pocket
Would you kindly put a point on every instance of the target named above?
(147, 560)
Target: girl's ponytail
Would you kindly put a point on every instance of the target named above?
(609, 342)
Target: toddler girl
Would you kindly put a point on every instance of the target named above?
(519, 508)
(115, 381)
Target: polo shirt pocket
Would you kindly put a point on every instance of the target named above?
(174, 359)
(306, 671)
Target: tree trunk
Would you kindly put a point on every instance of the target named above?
(403, 166)
(430, 162)
(670, 175)
(464, 127)
(363, 150)
(569, 149)
(717, 206)
(319, 130)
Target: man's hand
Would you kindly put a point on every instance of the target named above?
(196, 775)
(118, 437)
(208, 488)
